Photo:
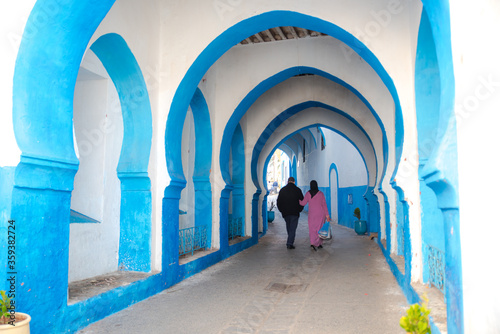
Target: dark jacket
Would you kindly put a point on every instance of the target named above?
(288, 200)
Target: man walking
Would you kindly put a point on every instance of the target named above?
(288, 204)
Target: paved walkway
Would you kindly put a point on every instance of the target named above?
(346, 287)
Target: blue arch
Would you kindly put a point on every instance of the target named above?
(294, 168)
(274, 80)
(45, 75)
(202, 163)
(322, 135)
(256, 153)
(276, 122)
(434, 54)
(124, 71)
(52, 75)
(333, 166)
(238, 177)
(238, 154)
(224, 42)
(250, 98)
(203, 131)
(438, 15)
(136, 206)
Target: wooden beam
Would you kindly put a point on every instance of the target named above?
(270, 35)
(280, 32)
(259, 37)
(302, 32)
(293, 32)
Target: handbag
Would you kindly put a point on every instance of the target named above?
(325, 231)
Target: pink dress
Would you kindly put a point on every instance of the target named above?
(317, 215)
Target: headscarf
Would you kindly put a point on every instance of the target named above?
(314, 188)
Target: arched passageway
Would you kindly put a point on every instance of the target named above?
(368, 112)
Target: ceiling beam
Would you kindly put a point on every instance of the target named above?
(270, 35)
(293, 32)
(280, 32)
(257, 35)
(288, 33)
(302, 32)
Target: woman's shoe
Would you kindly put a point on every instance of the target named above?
(320, 246)
(312, 246)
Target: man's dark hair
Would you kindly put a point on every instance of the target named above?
(291, 179)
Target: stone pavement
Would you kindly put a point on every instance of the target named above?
(346, 287)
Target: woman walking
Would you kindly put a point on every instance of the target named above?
(318, 211)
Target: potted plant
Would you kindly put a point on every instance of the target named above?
(359, 225)
(12, 322)
(416, 320)
(270, 213)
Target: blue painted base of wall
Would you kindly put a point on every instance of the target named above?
(404, 282)
(346, 209)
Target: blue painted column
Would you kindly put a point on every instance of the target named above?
(255, 214)
(170, 227)
(373, 211)
(264, 214)
(40, 208)
(239, 203)
(387, 218)
(224, 218)
(135, 222)
(454, 290)
(203, 205)
(294, 169)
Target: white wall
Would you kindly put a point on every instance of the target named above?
(351, 167)
(477, 77)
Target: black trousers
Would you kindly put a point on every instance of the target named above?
(291, 227)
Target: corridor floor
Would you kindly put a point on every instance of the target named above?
(346, 287)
